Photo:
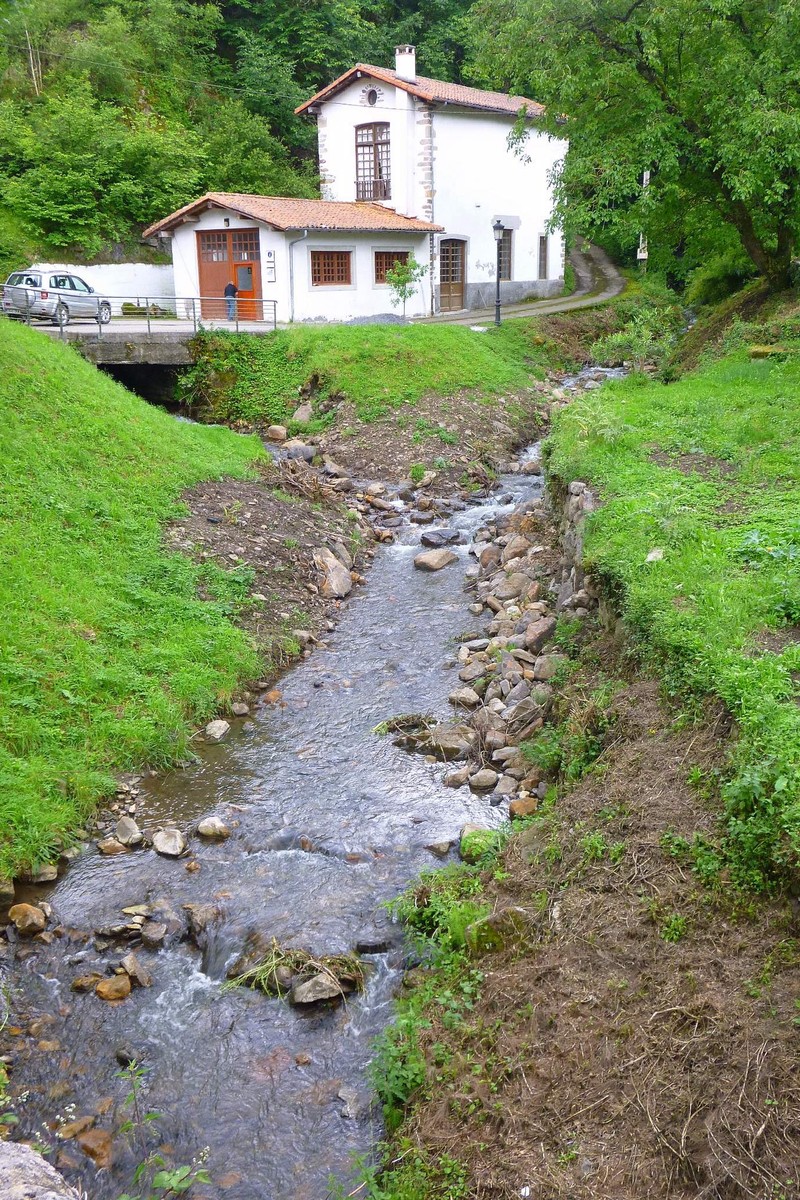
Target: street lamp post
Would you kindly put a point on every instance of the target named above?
(498, 229)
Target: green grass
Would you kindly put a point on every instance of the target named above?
(377, 367)
(726, 529)
(107, 653)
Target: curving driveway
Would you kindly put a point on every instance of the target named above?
(597, 279)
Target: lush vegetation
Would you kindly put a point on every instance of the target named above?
(114, 112)
(107, 651)
(703, 95)
(698, 541)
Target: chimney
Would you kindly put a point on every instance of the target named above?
(405, 62)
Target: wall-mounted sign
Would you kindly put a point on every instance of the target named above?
(269, 267)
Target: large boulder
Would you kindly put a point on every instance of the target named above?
(25, 1175)
(336, 582)
(434, 560)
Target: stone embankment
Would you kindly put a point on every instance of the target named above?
(529, 571)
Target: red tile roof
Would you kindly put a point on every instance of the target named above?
(283, 212)
(433, 91)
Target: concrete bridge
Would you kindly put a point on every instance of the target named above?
(129, 342)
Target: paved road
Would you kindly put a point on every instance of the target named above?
(597, 279)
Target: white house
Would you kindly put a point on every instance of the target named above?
(409, 165)
(316, 259)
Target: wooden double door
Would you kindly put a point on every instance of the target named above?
(229, 256)
(452, 270)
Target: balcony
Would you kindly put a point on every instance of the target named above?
(373, 189)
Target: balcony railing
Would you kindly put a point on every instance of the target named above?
(373, 189)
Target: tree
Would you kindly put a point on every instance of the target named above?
(703, 93)
(403, 278)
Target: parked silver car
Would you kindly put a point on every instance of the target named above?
(47, 294)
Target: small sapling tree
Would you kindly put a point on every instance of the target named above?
(403, 278)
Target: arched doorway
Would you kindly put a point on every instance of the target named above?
(452, 269)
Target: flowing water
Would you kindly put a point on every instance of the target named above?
(222, 1064)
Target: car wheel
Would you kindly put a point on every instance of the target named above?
(61, 315)
(104, 314)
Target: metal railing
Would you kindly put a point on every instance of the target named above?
(155, 313)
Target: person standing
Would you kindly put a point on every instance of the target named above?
(230, 294)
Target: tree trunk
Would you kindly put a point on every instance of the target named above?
(775, 264)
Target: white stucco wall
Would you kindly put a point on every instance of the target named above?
(478, 179)
(122, 281)
(363, 298)
(407, 120)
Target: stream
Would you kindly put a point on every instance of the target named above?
(329, 822)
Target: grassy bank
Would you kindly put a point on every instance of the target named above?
(107, 651)
(698, 542)
(380, 369)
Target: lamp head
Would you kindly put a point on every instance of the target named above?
(498, 229)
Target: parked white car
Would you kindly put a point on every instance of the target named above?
(47, 294)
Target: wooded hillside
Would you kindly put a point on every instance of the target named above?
(113, 112)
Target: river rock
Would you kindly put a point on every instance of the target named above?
(434, 560)
(216, 731)
(200, 916)
(319, 987)
(451, 742)
(240, 709)
(169, 842)
(456, 779)
(115, 988)
(523, 806)
(539, 632)
(513, 587)
(153, 934)
(137, 973)
(473, 671)
(111, 846)
(27, 918)
(547, 665)
(277, 433)
(515, 547)
(213, 827)
(440, 849)
(97, 1145)
(6, 889)
(303, 413)
(489, 557)
(128, 832)
(483, 780)
(87, 983)
(465, 697)
(436, 538)
(336, 582)
(25, 1175)
(297, 449)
